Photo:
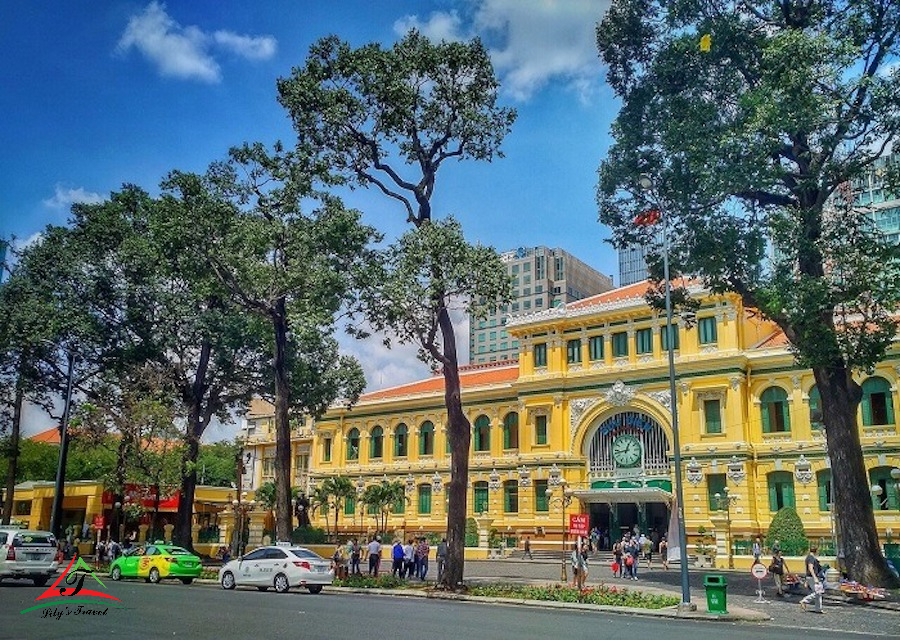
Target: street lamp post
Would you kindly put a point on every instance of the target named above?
(564, 501)
(895, 476)
(646, 184)
(60, 489)
(241, 511)
(723, 503)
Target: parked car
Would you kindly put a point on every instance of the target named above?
(27, 554)
(155, 562)
(279, 567)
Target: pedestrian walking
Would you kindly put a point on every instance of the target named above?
(778, 569)
(664, 552)
(528, 548)
(355, 553)
(578, 560)
(441, 557)
(814, 581)
(397, 566)
(757, 550)
(634, 552)
(618, 567)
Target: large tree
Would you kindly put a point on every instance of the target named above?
(293, 267)
(753, 117)
(390, 119)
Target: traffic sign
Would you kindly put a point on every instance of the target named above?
(759, 571)
(578, 524)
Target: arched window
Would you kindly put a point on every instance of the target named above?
(482, 433)
(401, 441)
(511, 496)
(376, 443)
(480, 491)
(511, 431)
(776, 417)
(353, 444)
(877, 404)
(781, 490)
(815, 408)
(424, 499)
(426, 439)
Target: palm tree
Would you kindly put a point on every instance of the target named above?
(338, 489)
(319, 499)
(381, 497)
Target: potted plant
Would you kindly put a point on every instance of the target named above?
(705, 548)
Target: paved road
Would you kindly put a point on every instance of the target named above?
(202, 612)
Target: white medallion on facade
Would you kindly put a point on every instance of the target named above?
(620, 394)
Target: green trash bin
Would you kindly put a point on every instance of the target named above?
(716, 596)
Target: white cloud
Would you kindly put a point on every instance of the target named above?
(63, 198)
(184, 52)
(250, 47)
(532, 43)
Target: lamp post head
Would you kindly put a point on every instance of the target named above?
(645, 182)
(895, 473)
(235, 503)
(876, 490)
(549, 492)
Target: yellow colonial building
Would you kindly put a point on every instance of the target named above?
(587, 407)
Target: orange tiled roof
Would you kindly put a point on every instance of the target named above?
(50, 436)
(773, 341)
(631, 291)
(470, 377)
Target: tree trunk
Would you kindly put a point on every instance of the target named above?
(460, 440)
(862, 557)
(197, 423)
(14, 451)
(282, 425)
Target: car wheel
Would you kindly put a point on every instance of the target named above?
(262, 588)
(154, 575)
(187, 580)
(228, 581)
(281, 583)
(116, 573)
(40, 581)
(315, 588)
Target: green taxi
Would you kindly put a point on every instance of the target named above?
(155, 562)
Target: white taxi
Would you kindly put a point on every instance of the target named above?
(281, 567)
(27, 554)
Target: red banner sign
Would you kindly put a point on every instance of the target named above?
(578, 524)
(99, 521)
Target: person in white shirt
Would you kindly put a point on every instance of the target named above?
(374, 549)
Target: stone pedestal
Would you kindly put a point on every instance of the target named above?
(720, 525)
(168, 529)
(257, 524)
(484, 530)
(142, 532)
(195, 533)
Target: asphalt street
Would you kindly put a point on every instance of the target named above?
(173, 610)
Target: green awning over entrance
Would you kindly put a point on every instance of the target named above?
(620, 494)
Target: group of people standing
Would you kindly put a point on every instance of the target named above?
(407, 560)
(410, 559)
(632, 548)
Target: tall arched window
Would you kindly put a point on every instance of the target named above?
(480, 492)
(511, 496)
(776, 416)
(353, 444)
(482, 433)
(424, 499)
(376, 443)
(426, 439)
(815, 408)
(511, 431)
(401, 440)
(877, 404)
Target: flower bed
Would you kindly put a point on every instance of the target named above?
(603, 595)
(370, 582)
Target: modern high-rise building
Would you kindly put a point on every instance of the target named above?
(633, 264)
(871, 193)
(543, 278)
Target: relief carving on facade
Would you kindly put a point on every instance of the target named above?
(577, 408)
(620, 394)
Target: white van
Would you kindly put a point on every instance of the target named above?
(27, 554)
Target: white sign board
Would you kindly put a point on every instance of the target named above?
(759, 571)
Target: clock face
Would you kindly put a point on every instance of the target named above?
(626, 451)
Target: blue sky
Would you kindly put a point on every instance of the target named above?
(97, 93)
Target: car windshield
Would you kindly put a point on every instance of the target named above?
(306, 554)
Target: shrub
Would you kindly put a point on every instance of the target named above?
(308, 535)
(386, 581)
(787, 529)
(471, 532)
(603, 595)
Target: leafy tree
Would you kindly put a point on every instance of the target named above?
(216, 464)
(291, 269)
(754, 139)
(390, 118)
(787, 529)
(265, 495)
(338, 489)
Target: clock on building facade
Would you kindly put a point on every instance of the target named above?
(626, 451)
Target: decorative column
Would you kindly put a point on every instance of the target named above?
(257, 524)
(142, 532)
(168, 528)
(720, 524)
